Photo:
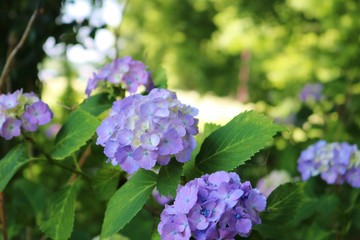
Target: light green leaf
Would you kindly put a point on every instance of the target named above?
(96, 104)
(236, 142)
(160, 78)
(60, 223)
(105, 182)
(283, 203)
(127, 202)
(169, 178)
(12, 161)
(190, 171)
(79, 128)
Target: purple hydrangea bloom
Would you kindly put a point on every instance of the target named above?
(24, 110)
(144, 130)
(334, 162)
(353, 173)
(215, 206)
(37, 114)
(126, 72)
(268, 183)
(311, 92)
(10, 128)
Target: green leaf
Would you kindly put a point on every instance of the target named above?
(96, 104)
(60, 223)
(160, 78)
(156, 236)
(127, 202)
(236, 142)
(105, 182)
(79, 128)
(143, 222)
(12, 161)
(169, 178)
(190, 171)
(34, 193)
(283, 203)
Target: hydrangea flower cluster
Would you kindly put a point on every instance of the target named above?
(268, 183)
(215, 206)
(311, 92)
(335, 162)
(24, 110)
(144, 130)
(128, 73)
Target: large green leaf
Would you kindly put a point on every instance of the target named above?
(60, 223)
(106, 181)
(127, 201)
(190, 171)
(12, 161)
(283, 203)
(97, 104)
(79, 128)
(169, 178)
(233, 144)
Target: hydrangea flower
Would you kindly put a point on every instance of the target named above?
(24, 110)
(144, 130)
(334, 162)
(311, 92)
(268, 183)
(215, 206)
(126, 72)
(352, 175)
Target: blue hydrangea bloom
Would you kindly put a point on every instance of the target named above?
(215, 206)
(24, 110)
(126, 72)
(334, 162)
(144, 130)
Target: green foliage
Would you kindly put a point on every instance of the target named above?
(12, 161)
(127, 201)
(233, 144)
(61, 212)
(96, 104)
(190, 171)
(169, 178)
(143, 222)
(283, 204)
(33, 193)
(160, 80)
(106, 181)
(78, 129)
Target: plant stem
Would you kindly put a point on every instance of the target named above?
(52, 161)
(82, 160)
(9, 60)
(3, 217)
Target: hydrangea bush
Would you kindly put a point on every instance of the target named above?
(140, 159)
